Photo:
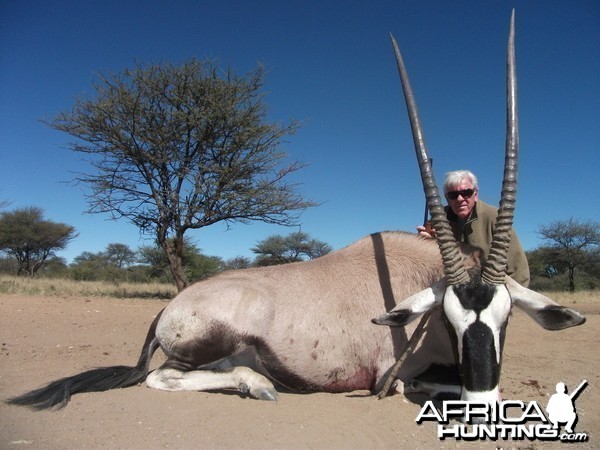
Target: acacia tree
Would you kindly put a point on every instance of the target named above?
(30, 239)
(120, 255)
(111, 264)
(197, 266)
(179, 148)
(573, 243)
(277, 249)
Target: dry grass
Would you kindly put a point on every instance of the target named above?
(580, 297)
(70, 288)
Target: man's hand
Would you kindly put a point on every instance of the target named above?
(426, 233)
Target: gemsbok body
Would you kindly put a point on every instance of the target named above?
(307, 326)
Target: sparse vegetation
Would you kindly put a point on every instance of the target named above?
(572, 299)
(178, 148)
(69, 288)
(569, 257)
(30, 239)
(58, 287)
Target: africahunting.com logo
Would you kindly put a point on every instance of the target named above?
(509, 419)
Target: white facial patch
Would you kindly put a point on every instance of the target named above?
(463, 314)
(496, 315)
(478, 315)
(459, 317)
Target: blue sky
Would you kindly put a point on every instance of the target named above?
(330, 65)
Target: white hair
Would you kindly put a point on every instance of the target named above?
(455, 177)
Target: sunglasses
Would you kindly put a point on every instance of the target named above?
(464, 193)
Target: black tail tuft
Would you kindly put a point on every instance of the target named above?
(58, 393)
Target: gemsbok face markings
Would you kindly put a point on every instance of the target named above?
(478, 314)
(306, 326)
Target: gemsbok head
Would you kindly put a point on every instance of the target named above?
(476, 302)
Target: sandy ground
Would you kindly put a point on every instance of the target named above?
(44, 338)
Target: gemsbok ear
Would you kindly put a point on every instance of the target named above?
(543, 310)
(415, 305)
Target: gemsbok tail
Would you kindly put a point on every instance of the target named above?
(58, 393)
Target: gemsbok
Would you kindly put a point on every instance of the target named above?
(307, 326)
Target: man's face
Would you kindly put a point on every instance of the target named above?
(462, 204)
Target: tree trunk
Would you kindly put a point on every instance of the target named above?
(25, 268)
(174, 251)
(571, 279)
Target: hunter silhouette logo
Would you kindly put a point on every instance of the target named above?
(561, 407)
(508, 419)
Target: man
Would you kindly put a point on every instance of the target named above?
(473, 222)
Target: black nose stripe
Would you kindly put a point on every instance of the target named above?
(479, 366)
